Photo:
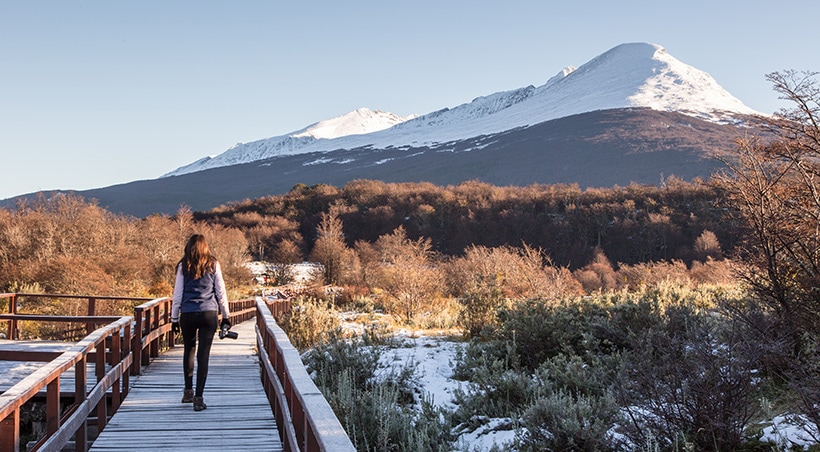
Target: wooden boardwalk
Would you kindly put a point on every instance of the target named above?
(238, 417)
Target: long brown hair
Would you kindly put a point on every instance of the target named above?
(197, 259)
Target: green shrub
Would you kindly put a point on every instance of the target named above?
(589, 376)
(479, 311)
(376, 420)
(565, 421)
(356, 358)
(540, 329)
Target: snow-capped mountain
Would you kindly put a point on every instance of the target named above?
(630, 75)
(631, 115)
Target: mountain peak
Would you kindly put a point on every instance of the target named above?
(643, 75)
(356, 122)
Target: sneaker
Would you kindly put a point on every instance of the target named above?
(188, 396)
(199, 405)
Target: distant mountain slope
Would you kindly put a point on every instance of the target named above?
(595, 149)
(629, 75)
(359, 121)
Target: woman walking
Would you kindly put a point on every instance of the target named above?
(199, 296)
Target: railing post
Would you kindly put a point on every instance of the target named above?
(116, 394)
(147, 321)
(92, 309)
(53, 406)
(102, 408)
(80, 384)
(126, 349)
(166, 319)
(136, 345)
(12, 334)
(10, 432)
(297, 415)
(154, 322)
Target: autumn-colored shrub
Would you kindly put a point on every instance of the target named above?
(311, 322)
(650, 274)
(597, 275)
(713, 271)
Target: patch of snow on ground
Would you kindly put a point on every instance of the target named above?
(496, 433)
(791, 430)
(433, 357)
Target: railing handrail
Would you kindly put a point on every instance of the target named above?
(14, 297)
(307, 421)
(61, 428)
(74, 296)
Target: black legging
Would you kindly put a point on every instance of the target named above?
(205, 324)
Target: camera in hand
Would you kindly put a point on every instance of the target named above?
(225, 331)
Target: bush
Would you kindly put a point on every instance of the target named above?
(653, 273)
(539, 329)
(479, 311)
(565, 421)
(311, 322)
(697, 376)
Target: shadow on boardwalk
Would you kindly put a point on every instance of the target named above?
(238, 417)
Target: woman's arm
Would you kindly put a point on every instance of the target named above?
(221, 292)
(179, 284)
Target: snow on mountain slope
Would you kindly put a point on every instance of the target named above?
(629, 75)
(359, 121)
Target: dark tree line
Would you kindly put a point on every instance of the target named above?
(630, 224)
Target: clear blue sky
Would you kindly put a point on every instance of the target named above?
(96, 93)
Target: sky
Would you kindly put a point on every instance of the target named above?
(98, 93)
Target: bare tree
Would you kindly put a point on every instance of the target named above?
(774, 187)
(707, 246)
(406, 274)
(330, 249)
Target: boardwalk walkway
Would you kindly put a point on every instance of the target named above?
(238, 417)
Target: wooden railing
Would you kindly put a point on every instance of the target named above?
(101, 347)
(115, 344)
(93, 308)
(306, 421)
(152, 332)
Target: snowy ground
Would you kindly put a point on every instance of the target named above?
(434, 358)
(301, 272)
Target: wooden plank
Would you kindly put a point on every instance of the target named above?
(238, 417)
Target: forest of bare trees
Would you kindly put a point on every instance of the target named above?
(72, 246)
(629, 224)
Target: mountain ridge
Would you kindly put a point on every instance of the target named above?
(628, 75)
(596, 149)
